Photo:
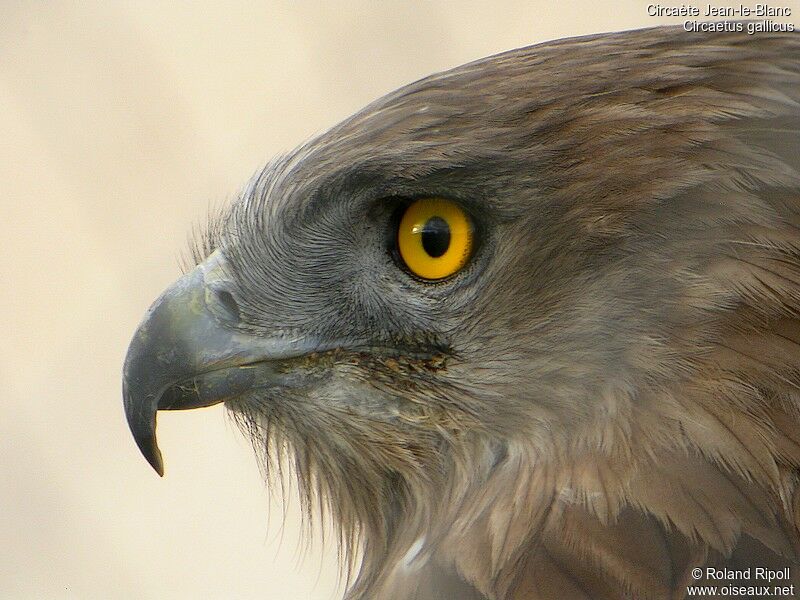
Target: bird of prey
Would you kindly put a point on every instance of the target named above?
(527, 329)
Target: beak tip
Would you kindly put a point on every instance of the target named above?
(143, 428)
(157, 464)
(149, 449)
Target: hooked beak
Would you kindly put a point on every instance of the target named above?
(188, 353)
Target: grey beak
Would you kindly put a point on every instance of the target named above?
(188, 353)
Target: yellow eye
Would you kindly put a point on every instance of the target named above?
(434, 238)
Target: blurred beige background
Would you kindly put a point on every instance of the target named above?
(120, 124)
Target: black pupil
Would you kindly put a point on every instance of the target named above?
(435, 236)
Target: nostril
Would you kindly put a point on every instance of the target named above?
(228, 303)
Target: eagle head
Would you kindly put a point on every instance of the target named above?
(524, 329)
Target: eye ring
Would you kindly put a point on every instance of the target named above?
(434, 238)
